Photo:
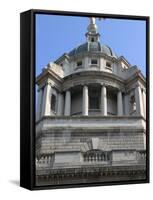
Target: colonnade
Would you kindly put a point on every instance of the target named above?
(64, 104)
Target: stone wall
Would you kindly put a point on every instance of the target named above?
(90, 174)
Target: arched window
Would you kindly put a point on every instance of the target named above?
(53, 103)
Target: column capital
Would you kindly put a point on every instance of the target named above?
(143, 90)
(103, 84)
(119, 90)
(137, 85)
(41, 86)
(67, 89)
(49, 83)
(59, 92)
(122, 90)
(84, 84)
(39, 89)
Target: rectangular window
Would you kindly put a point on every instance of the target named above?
(94, 61)
(93, 103)
(92, 39)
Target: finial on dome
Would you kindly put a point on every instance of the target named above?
(92, 27)
(92, 35)
(92, 20)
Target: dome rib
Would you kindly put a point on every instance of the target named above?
(92, 47)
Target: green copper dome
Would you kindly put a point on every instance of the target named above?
(92, 47)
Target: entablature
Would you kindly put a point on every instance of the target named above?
(93, 77)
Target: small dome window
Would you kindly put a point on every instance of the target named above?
(79, 63)
(94, 61)
(109, 65)
(92, 39)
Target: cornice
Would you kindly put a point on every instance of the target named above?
(48, 73)
(137, 74)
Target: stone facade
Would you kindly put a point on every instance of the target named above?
(91, 117)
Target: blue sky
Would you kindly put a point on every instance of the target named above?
(56, 35)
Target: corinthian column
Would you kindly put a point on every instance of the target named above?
(39, 104)
(119, 103)
(46, 103)
(144, 103)
(60, 104)
(67, 110)
(103, 100)
(138, 99)
(85, 100)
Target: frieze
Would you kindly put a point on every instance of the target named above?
(88, 81)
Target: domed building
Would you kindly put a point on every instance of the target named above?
(91, 117)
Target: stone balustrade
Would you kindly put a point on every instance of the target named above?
(91, 156)
(97, 156)
(141, 156)
(45, 160)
